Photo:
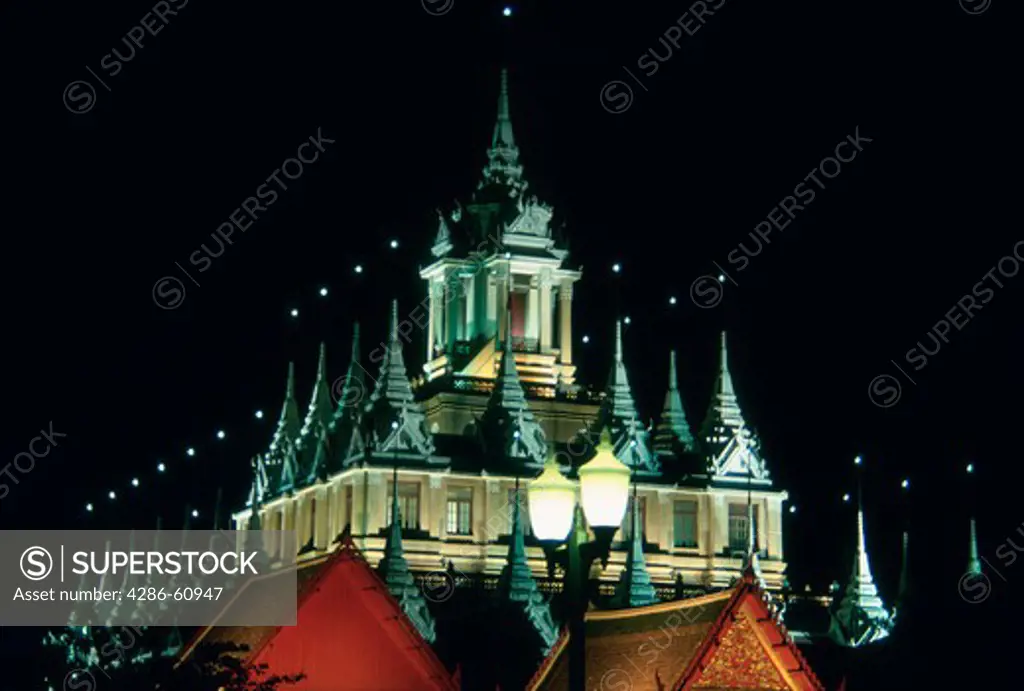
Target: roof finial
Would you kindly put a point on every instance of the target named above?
(503, 126)
(973, 562)
(618, 341)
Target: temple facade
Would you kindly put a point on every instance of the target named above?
(445, 447)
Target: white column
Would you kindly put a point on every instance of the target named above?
(545, 313)
(492, 303)
(565, 321)
(531, 321)
(469, 289)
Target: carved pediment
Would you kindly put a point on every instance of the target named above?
(534, 219)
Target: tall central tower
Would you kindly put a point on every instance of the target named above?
(494, 254)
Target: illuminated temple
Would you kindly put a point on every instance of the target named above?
(408, 496)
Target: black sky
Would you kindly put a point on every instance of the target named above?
(101, 205)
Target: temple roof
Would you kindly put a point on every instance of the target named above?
(860, 617)
(672, 434)
(382, 647)
(728, 640)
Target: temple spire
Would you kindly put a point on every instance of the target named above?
(860, 617)
(634, 588)
(288, 426)
(503, 156)
(673, 434)
(517, 584)
(973, 562)
(724, 411)
(392, 401)
(320, 415)
(508, 423)
(618, 415)
(394, 571)
(347, 438)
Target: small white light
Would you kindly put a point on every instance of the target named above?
(508, 255)
(846, 497)
(672, 300)
(259, 414)
(294, 312)
(88, 507)
(394, 424)
(970, 467)
(507, 11)
(616, 268)
(858, 460)
(721, 278)
(792, 509)
(220, 434)
(323, 292)
(905, 484)
(160, 467)
(190, 451)
(626, 320)
(394, 244)
(515, 434)
(195, 513)
(112, 494)
(135, 482)
(586, 339)
(359, 268)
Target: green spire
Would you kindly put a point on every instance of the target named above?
(319, 415)
(860, 618)
(394, 571)
(634, 588)
(282, 458)
(618, 415)
(288, 426)
(320, 468)
(724, 415)
(503, 157)
(517, 584)
(973, 562)
(673, 431)
(392, 401)
(348, 440)
(508, 423)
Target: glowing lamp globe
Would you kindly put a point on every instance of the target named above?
(552, 500)
(604, 486)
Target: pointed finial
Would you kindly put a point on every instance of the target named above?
(503, 126)
(618, 341)
(355, 340)
(394, 322)
(321, 367)
(290, 386)
(973, 562)
(672, 380)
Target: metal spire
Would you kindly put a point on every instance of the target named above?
(392, 401)
(517, 584)
(503, 157)
(508, 422)
(673, 429)
(319, 415)
(860, 618)
(394, 571)
(618, 415)
(288, 426)
(634, 588)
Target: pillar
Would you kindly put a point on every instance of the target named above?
(544, 313)
(565, 321)
(469, 291)
(532, 322)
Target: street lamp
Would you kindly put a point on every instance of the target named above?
(556, 518)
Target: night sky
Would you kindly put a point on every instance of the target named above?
(100, 205)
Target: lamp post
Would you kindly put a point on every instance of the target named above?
(557, 518)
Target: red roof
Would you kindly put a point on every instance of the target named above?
(728, 640)
(351, 635)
